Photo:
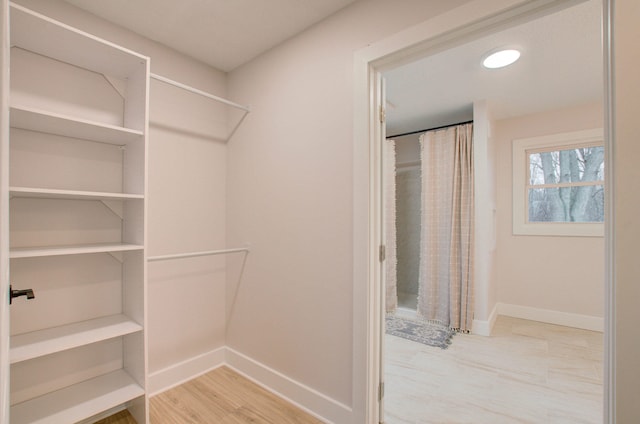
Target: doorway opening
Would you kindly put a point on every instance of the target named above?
(384, 64)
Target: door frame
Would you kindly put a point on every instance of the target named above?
(4, 211)
(469, 21)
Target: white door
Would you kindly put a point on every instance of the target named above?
(4, 212)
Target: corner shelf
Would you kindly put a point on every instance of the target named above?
(35, 252)
(46, 193)
(57, 339)
(79, 401)
(34, 119)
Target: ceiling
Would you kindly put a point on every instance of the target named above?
(222, 33)
(561, 62)
(560, 66)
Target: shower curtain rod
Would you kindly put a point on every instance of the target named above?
(430, 129)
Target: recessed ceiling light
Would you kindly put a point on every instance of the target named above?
(501, 59)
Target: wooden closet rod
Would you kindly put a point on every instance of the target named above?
(199, 92)
(196, 254)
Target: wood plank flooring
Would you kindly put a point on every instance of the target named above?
(526, 372)
(220, 396)
(123, 417)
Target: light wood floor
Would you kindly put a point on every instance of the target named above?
(221, 396)
(526, 372)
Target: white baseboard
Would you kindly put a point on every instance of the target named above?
(313, 402)
(585, 322)
(484, 328)
(167, 378)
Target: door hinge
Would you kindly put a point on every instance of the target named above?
(381, 391)
(383, 114)
(382, 254)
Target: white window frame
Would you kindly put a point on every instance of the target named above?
(561, 141)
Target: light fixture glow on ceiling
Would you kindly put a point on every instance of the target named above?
(501, 59)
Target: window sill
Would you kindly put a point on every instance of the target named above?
(573, 229)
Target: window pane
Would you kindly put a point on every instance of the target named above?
(568, 204)
(566, 166)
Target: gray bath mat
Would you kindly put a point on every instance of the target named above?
(424, 332)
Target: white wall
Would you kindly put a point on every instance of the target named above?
(564, 274)
(187, 191)
(290, 174)
(484, 223)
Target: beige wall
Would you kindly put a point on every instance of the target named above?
(564, 274)
(187, 188)
(290, 174)
(627, 210)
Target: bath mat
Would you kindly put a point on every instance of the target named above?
(424, 332)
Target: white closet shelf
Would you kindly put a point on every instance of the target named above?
(48, 37)
(34, 119)
(34, 252)
(57, 339)
(46, 193)
(79, 401)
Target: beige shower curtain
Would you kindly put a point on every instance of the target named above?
(389, 182)
(446, 248)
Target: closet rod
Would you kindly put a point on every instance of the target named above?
(200, 92)
(196, 254)
(430, 129)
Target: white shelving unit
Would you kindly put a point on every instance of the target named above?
(36, 252)
(77, 224)
(75, 403)
(45, 193)
(67, 126)
(52, 340)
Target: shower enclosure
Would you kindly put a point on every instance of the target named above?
(408, 197)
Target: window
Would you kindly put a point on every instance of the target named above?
(558, 184)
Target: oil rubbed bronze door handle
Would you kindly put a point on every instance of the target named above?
(18, 293)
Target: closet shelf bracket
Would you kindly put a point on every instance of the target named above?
(114, 206)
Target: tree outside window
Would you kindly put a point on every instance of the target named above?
(566, 185)
(559, 184)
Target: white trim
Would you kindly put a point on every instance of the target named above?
(304, 397)
(485, 327)
(4, 215)
(609, 410)
(313, 402)
(181, 372)
(567, 319)
(560, 140)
